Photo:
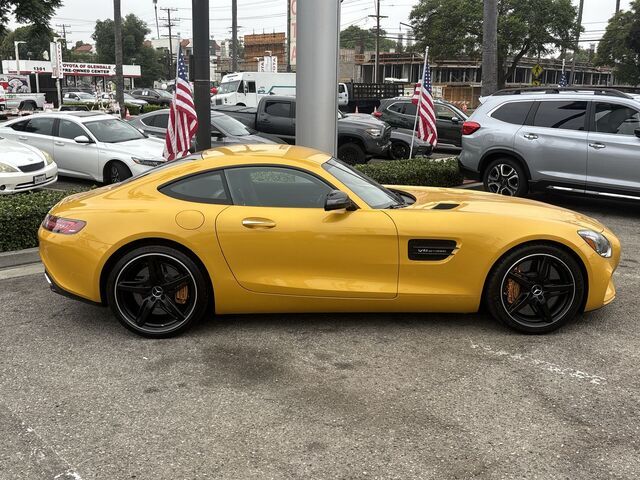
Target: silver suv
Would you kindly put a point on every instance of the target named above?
(576, 140)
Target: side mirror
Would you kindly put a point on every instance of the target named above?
(82, 139)
(455, 120)
(337, 200)
(217, 134)
(637, 132)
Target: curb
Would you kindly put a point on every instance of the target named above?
(472, 186)
(19, 257)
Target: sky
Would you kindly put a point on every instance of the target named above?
(256, 16)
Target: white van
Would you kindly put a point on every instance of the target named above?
(247, 88)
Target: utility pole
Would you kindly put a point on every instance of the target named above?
(201, 74)
(617, 6)
(64, 27)
(377, 16)
(288, 35)
(117, 31)
(169, 23)
(234, 35)
(155, 7)
(490, 48)
(577, 45)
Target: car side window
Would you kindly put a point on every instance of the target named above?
(566, 115)
(396, 107)
(70, 130)
(251, 87)
(616, 119)
(410, 109)
(161, 120)
(444, 113)
(513, 112)
(20, 126)
(206, 187)
(40, 126)
(278, 109)
(276, 187)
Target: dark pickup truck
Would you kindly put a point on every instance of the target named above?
(358, 138)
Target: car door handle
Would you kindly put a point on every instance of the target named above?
(256, 222)
(58, 143)
(530, 136)
(24, 139)
(597, 145)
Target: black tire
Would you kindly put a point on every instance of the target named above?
(535, 288)
(399, 150)
(157, 291)
(240, 105)
(116, 172)
(352, 154)
(28, 106)
(505, 176)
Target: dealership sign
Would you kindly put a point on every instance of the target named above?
(92, 69)
(70, 68)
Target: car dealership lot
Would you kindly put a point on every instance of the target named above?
(322, 396)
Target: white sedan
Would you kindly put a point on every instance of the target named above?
(89, 145)
(24, 168)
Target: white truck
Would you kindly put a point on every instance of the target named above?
(15, 93)
(247, 88)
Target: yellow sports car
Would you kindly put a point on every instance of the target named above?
(276, 228)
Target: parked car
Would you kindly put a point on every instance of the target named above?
(401, 112)
(89, 145)
(359, 138)
(23, 167)
(79, 97)
(111, 96)
(21, 101)
(281, 229)
(225, 130)
(153, 96)
(564, 139)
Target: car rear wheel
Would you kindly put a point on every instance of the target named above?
(399, 150)
(352, 154)
(116, 172)
(157, 291)
(535, 289)
(505, 176)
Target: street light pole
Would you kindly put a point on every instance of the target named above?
(16, 44)
(234, 35)
(202, 83)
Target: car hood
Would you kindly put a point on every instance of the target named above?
(362, 119)
(147, 148)
(18, 155)
(471, 201)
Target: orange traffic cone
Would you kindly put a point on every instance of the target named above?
(356, 109)
(127, 116)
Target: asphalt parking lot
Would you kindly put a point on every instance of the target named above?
(399, 396)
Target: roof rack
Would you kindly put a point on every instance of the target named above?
(611, 92)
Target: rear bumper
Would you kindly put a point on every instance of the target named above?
(55, 288)
(469, 172)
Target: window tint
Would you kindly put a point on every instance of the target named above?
(341, 88)
(617, 119)
(41, 126)
(70, 130)
(20, 126)
(444, 113)
(567, 115)
(278, 109)
(410, 109)
(204, 188)
(276, 187)
(513, 112)
(161, 120)
(396, 107)
(251, 87)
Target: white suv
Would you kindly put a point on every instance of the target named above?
(577, 140)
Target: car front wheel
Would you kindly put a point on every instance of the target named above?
(399, 150)
(116, 172)
(505, 176)
(352, 154)
(157, 291)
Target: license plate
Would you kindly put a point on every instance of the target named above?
(39, 179)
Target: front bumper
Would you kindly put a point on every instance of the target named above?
(22, 182)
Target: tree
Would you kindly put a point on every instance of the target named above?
(36, 13)
(37, 39)
(354, 37)
(620, 45)
(134, 50)
(525, 27)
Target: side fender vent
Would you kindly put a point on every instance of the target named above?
(445, 206)
(431, 249)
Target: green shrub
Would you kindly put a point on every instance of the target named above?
(152, 108)
(418, 171)
(21, 215)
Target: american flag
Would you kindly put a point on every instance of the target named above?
(427, 130)
(183, 121)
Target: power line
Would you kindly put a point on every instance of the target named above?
(169, 23)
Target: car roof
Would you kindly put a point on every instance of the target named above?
(81, 115)
(266, 152)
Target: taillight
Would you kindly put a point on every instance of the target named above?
(377, 114)
(469, 127)
(67, 226)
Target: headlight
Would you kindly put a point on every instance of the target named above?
(147, 162)
(4, 168)
(47, 157)
(597, 241)
(374, 132)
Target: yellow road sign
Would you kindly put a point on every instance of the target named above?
(537, 70)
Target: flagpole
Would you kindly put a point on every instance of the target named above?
(415, 121)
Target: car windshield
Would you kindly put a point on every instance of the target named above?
(374, 194)
(229, 87)
(229, 126)
(164, 93)
(85, 95)
(112, 130)
(128, 97)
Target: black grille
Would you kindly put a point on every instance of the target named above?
(31, 167)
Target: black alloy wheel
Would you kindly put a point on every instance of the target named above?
(399, 150)
(117, 172)
(351, 154)
(157, 291)
(536, 290)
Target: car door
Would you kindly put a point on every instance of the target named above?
(613, 162)
(408, 115)
(448, 125)
(276, 117)
(75, 159)
(38, 132)
(554, 143)
(156, 124)
(278, 239)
